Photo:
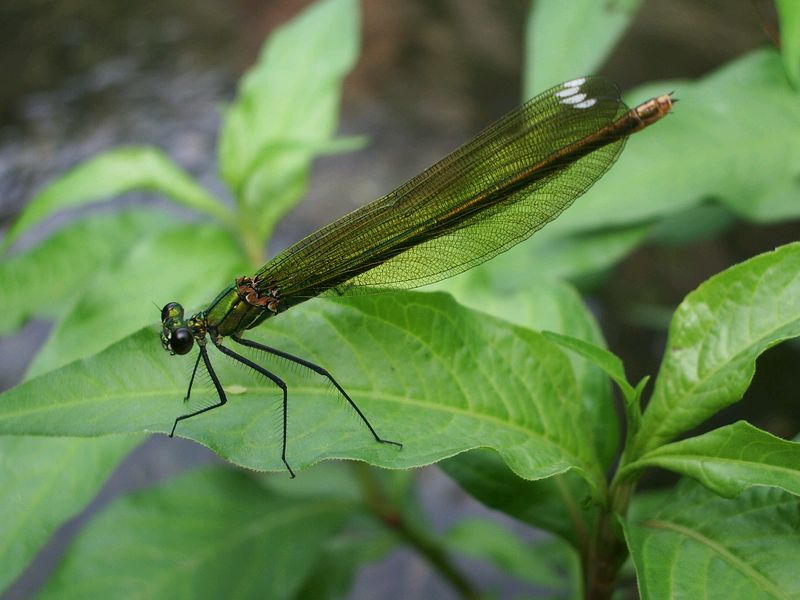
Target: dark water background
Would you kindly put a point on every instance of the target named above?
(83, 76)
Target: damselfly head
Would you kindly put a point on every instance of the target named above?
(176, 337)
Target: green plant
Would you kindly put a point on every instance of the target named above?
(522, 420)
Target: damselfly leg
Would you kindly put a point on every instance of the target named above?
(220, 392)
(320, 371)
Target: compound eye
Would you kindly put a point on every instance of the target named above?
(170, 308)
(181, 341)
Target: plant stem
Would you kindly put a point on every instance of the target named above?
(252, 244)
(392, 516)
(608, 551)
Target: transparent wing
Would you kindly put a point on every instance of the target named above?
(485, 197)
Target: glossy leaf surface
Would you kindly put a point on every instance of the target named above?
(731, 459)
(698, 545)
(111, 174)
(287, 110)
(716, 335)
(427, 372)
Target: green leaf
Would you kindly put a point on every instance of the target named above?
(490, 541)
(716, 335)
(189, 264)
(710, 147)
(360, 542)
(554, 504)
(210, 534)
(789, 14)
(43, 483)
(46, 280)
(335, 480)
(567, 40)
(730, 459)
(698, 545)
(645, 503)
(111, 174)
(36, 469)
(557, 504)
(609, 362)
(543, 303)
(426, 371)
(287, 108)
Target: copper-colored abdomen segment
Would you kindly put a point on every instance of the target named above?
(651, 111)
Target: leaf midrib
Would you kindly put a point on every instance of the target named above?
(740, 565)
(389, 398)
(681, 401)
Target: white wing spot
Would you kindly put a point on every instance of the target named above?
(577, 98)
(571, 94)
(567, 92)
(575, 82)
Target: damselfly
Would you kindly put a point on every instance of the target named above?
(490, 194)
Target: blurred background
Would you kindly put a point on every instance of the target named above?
(83, 76)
